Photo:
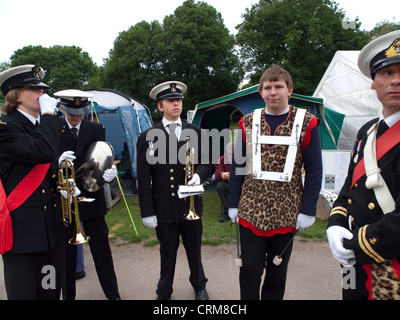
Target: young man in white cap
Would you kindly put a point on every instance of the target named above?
(29, 228)
(159, 175)
(364, 226)
(77, 136)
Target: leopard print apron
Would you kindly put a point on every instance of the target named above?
(383, 281)
(269, 205)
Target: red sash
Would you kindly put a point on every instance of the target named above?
(384, 143)
(16, 198)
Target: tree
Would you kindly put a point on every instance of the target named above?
(384, 27)
(301, 36)
(134, 62)
(67, 67)
(192, 46)
(201, 52)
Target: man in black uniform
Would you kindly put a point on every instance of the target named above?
(364, 226)
(160, 172)
(75, 105)
(29, 229)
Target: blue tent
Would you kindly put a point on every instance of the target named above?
(124, 118)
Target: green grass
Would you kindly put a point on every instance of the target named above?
(214, 232)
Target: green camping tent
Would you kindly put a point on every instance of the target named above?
(218, 112)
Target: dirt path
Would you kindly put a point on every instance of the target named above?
(313, 273)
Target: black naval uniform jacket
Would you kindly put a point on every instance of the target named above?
(158, 183)
(36, 227)
(375, 235)
(89, 133)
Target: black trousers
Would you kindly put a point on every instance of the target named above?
(257, 253)
(223, 192)
(354, 283)
(33, 276)
(168, 234)
(97, 230)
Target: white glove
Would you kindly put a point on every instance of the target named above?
(48, 104)
(150, 222)
(67, 155)
(233, 214)
(304, 221)
(195, 180)
(336, 234)
(110, 174)
(74, 192)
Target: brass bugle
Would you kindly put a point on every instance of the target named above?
(189, 172)
(65, 173)
(64, 184)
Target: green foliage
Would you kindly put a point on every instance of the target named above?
(200, 52)
(384, 27)
(301, 36)
(135, 60)
(192, 45)
(66, 66)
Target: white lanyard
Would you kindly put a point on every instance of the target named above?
(292, 142)
(373, 172)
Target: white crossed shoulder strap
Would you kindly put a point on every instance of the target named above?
(292, 142)
(373, 173)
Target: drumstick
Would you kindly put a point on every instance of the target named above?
(278, 258)
(238, 261)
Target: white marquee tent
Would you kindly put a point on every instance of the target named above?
(345, 89)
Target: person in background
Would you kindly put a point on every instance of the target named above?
(222, 169)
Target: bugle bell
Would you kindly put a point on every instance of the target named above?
(98, 158)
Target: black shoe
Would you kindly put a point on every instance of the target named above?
(80, 275)
(224, 217)
(202, 295)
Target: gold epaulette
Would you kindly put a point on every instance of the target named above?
(339, 210)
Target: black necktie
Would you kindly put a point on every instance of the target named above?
(382, 127)
(74, 132)
(36, 124)
(172, 131)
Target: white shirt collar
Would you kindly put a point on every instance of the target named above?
(167, 122)
(30, 117)
(392, 119)
(285, 111)
(71, 126)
